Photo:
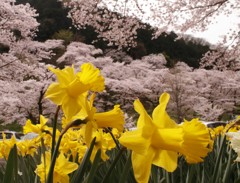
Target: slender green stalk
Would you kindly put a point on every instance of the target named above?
(113, 164)
(77, 177)
(94, 167)
(228, 167)
(114, 139)
(54, 157)
(54, 129)
(168, 180)
(216, 167)
(55, 153)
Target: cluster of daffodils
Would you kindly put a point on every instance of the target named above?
(158, 140)
(231, 126)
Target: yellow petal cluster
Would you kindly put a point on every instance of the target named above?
(62, 168)
(113, 118)
(68, 91)
(159, 140)
(6, 145)
(37, 128)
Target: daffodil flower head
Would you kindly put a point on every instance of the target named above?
(104, 141)
(71, 142)
(27, 147)
(231, 126)
(159, 140)
(68, 91)
(7, 145)
(62, 168)
(95, 120)
(38, 128)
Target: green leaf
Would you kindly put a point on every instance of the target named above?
(27, 167)
(94, 167)
(54, 158)
(228, 167)
(217, 166)
(107, 175)
(11, 172)
(190, 174)
(79, 174)
(54, 129)
(126, 169)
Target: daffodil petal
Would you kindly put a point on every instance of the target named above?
(144, 120)
(55, 93)
(142, 166)
(196, 141)
(64, 76)
(91, 76)
(135, 141)
(88, 133)
(29, 127)
(70, 107)
(43, 120)
(160, 117)
(66, 165)
(166, 159)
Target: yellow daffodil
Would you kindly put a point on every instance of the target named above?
(94, 120)
(67, 92)
(38, 128)
(6, 146)
(28, 147)
(116, 133)
(62, 168)
(72, 144)
(159, 140)
(231, 126)
(104, 141)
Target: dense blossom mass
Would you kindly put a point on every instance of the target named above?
(190, 89)
(21, 71)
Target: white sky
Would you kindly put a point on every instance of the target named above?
(216, 31)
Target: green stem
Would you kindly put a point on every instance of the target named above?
(228, 167)
(43, 149)
(55, 152)
(219, 157)
(113, 164)
(126, 169)
(54, 157)
(114, 139)
(54, 129)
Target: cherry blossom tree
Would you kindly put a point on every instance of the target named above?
(179, 16)
(23, 78)
(111, 26)
(118, 21)
(203, 93)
